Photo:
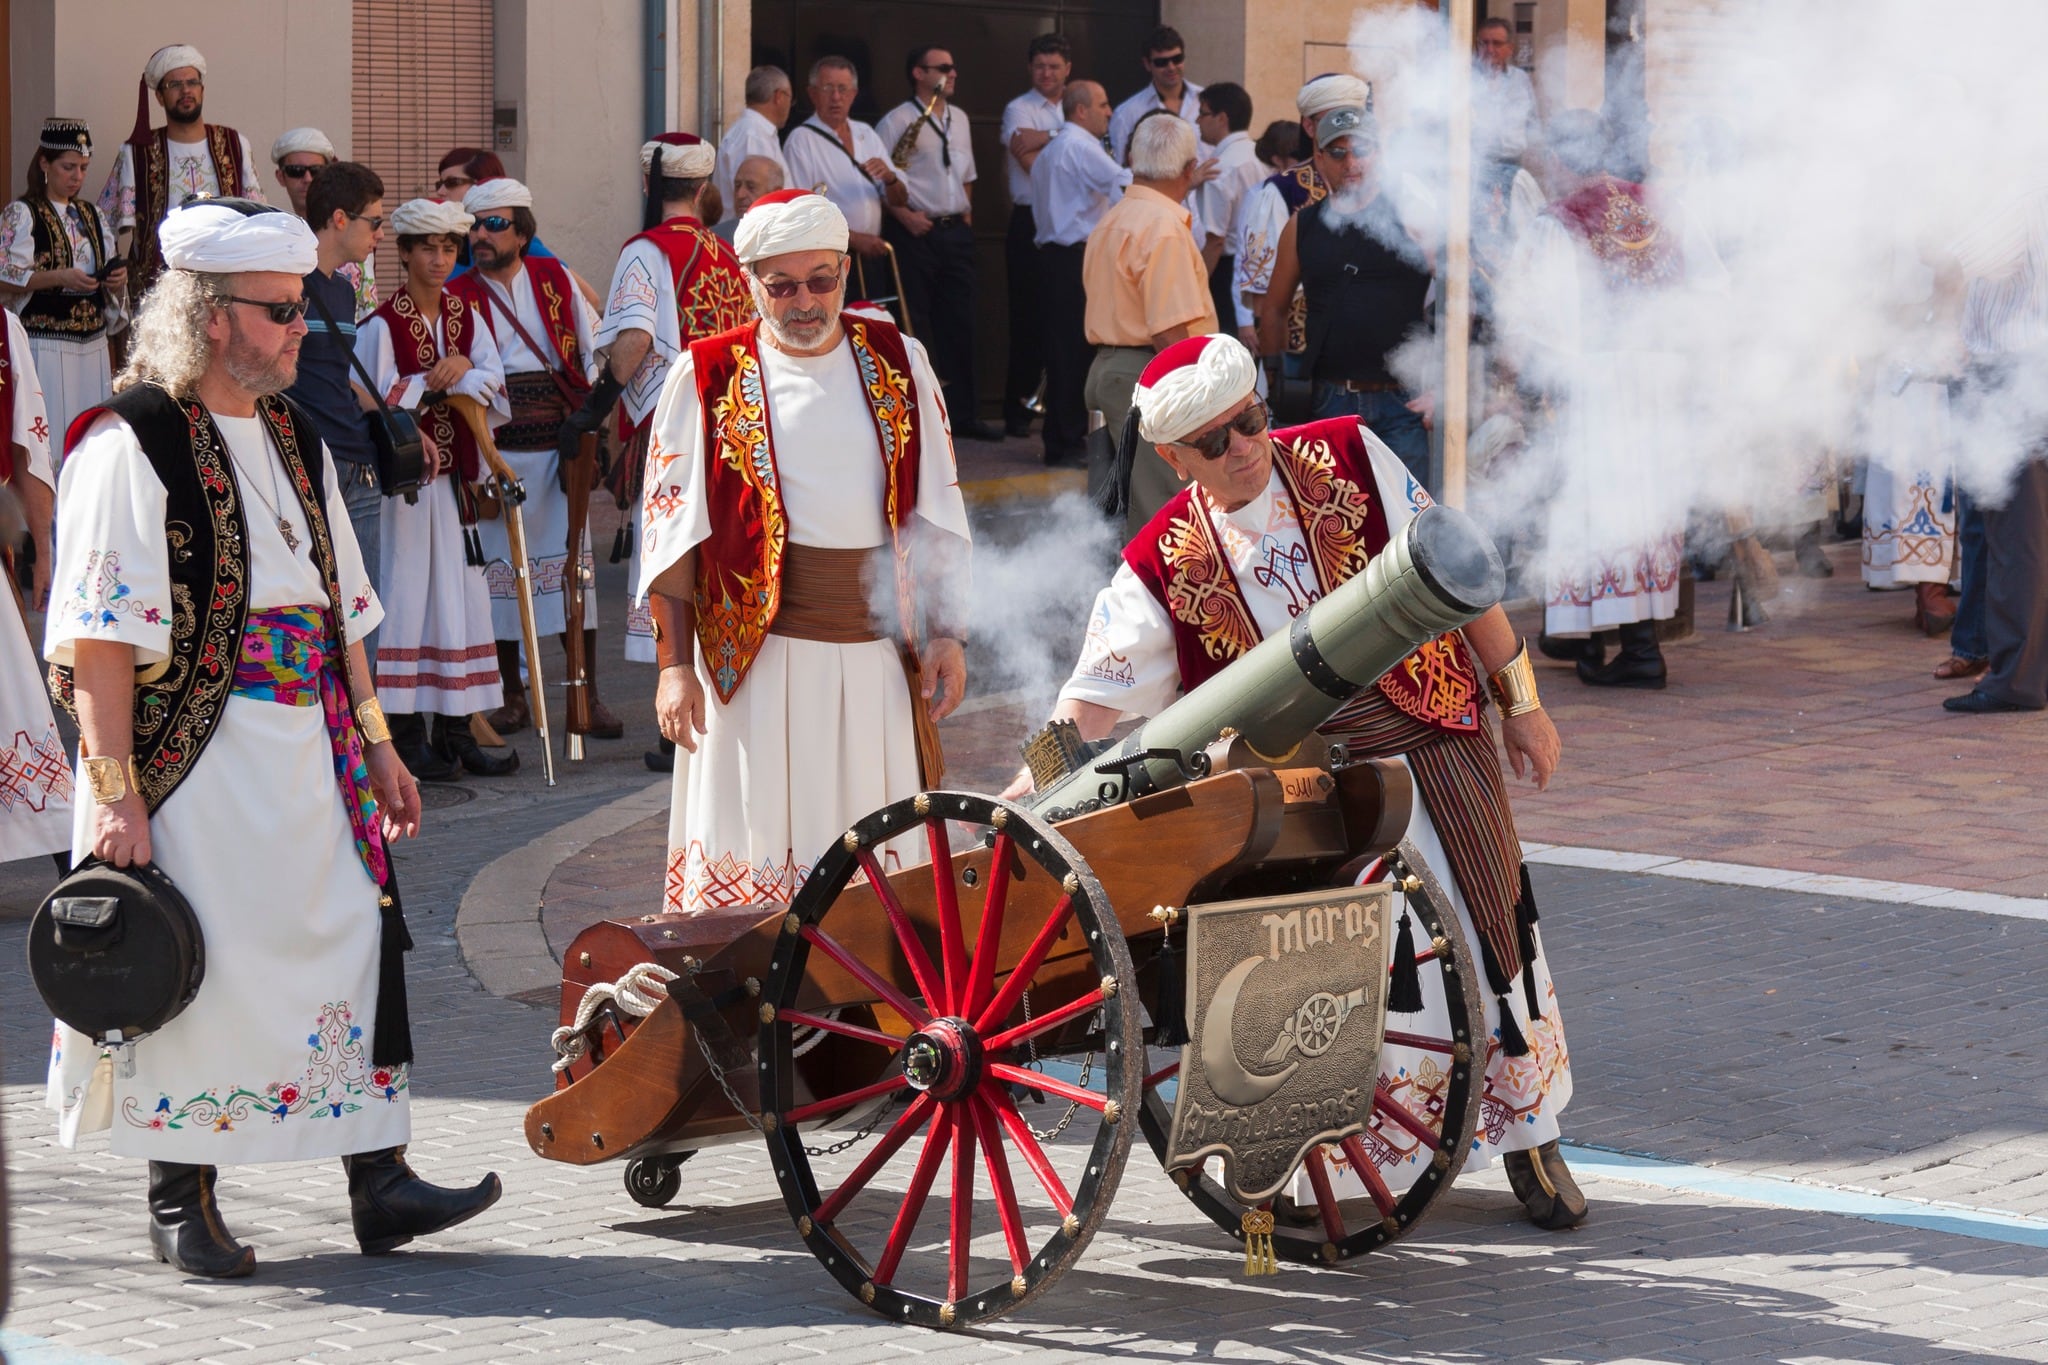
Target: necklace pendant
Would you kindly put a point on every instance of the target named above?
(284, 528)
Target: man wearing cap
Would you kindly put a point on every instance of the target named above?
(1364, 275)
(185, 159)
(230, 734)
(807, 559)
(1274, 202)
(549, 373)
(437, 654)
(675, 281)
(1271, 521)
(756, 132)
(296, 157)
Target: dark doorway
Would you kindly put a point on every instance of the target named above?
(987, 42)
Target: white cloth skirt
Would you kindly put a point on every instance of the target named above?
(1617, 523)
(546, 516)
(76, 375)
(271, 1062)
(1909, 519)
(817, 736)
(35, 770)
(435, 651)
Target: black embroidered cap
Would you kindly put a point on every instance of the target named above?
(66, 135)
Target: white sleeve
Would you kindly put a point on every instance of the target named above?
(31, 420)
(586, 333)
(1127, 658)
(676, 513)
(635, 293)
(1013, 115)
(485, 381)
(17, 248)
(1121, 122)
(1265, 218)
(373, 349)
(889, 126)
(112, 576)
(252, 183)
(361, 609)
(1400, 493)
(117, 197)
(938, 475)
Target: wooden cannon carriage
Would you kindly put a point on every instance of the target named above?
(1171, 937)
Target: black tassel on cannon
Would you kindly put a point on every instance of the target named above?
(1499, 983)
(621, 546)
(1525, 940)
(1404, 988)
(1169, 1019)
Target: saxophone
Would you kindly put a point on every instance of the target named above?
(899, 156)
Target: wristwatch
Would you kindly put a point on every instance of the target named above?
(111, 779)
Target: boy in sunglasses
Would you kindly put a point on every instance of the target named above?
(1268, 523)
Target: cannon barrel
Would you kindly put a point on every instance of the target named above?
(1442, 573)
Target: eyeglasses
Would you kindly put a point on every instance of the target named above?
(835, 89)
(491, 223)
(283, 312)
(453, 184)
(1170, 59)
(376, 221)
(944, 69)
(180, 87)
(1213, 445)
(818, 286)
(1348, 148)
(297, 172)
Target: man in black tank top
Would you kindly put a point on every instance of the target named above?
(1365, 279)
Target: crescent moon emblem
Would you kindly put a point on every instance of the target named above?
(1226, 1075)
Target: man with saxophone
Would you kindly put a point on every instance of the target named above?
(933, 233)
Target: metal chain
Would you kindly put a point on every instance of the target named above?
(1052, 1134)
(861, 1136)
(718, 1074)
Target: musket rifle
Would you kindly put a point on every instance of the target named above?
(580, 474)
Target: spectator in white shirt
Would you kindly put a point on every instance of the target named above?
(1073, 183)
(756, 132)
(1029, 122)
(842, 159)
(1503, 100)
(1164, 61)
(1224, 124)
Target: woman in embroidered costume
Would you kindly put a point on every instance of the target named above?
(800, 466)
(436, 653)
(53, 243)
(1269, 523)
(230, 734)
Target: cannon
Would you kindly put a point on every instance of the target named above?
(1189, 934)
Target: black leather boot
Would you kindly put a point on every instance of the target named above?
(1640, 663)
(1568, 648)
(409, 737)
(453, 743)
(390, 1205)
(1545, 1186)
(185, 1227)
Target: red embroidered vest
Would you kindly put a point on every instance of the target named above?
(739, 568)
(414, 350)
(1613, 218)
(553, 290)
(1327, 471)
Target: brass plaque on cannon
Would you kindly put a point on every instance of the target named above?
(1287, 1000)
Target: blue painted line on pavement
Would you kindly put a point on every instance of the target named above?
(19, 1348)
(1987, 1225)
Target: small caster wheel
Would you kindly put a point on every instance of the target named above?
(654, 1180)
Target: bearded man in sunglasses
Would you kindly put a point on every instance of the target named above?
(1269, 522)
(806, 552)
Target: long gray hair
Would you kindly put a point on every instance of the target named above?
(167, 344)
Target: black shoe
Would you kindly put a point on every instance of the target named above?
(662, 758)
(390, 1206)
(1568, 648)
(1640, 663)
(1545, 1186)
(185, 1227)
(979, 431)
(1812, 560)
(1982, 704)
(409, 737)
(453, 743)
(1017, 427)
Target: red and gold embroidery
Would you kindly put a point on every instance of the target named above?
(735, 609)
(1201, 591)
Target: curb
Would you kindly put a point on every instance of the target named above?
(988, 494)
(498, 926)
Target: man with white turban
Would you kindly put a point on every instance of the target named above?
(436, 652)
(186, 159)
(675, 281)
(541, 324)
(1265, 212)
(296, 157)
(1268, 523)
(229, 733)
(807, 558)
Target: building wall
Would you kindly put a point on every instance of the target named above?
(271, 65)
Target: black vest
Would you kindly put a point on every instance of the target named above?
(1351, 276)
(52, 312)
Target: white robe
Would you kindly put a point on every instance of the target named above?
(271, 1062)
(35, 770)
(546, 513)
(1128, 662)
(818, 735)
(1909, 514)
(437, 653)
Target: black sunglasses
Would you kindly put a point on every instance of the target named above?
(283, 312)
(1170, 59)
(1213, 445)
(944, 70)
(495, 222)
(297, 172)
(819, 286)
(375, 220)
(1339, 151)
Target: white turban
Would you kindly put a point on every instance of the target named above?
(300, 140)
(429, 218)
(211, 236)
(692, 160)
(504, 192)
(1325, 93)
(1191, 384)
(789, 220)
(165, 60)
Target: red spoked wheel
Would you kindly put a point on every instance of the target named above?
(1018, 1208)
(1374, 1187)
